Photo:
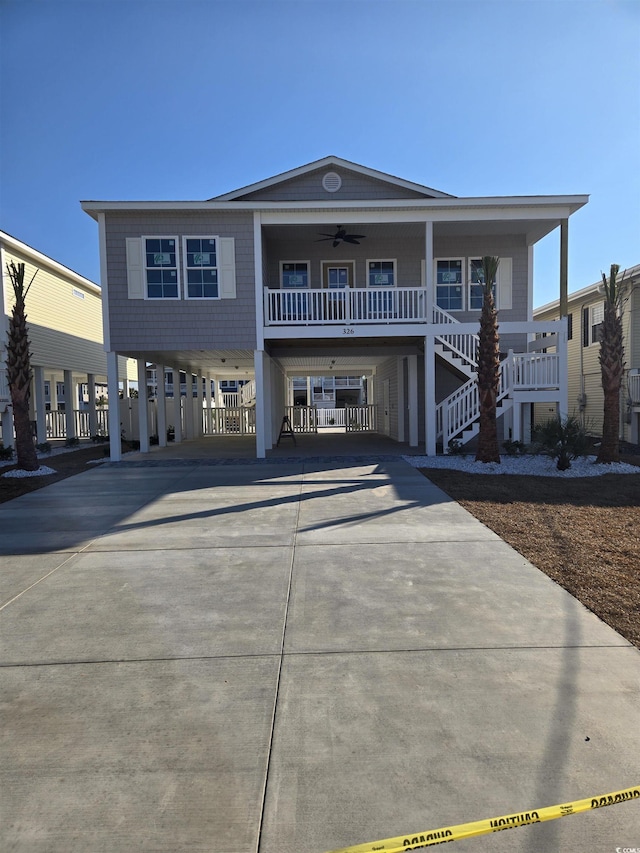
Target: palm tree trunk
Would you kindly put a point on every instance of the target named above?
(488, 367)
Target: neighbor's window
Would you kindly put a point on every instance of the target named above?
(382, 274)
(449, 285)
(161, 267)
(201, 267)
(595, 322)
(476, 279)
(295, 274)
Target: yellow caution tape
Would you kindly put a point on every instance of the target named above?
(430, 837)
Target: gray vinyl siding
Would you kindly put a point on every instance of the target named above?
(138, 325)
(354, 187)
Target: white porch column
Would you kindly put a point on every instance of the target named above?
(69, 414)
(563, 369)
(564, 267)
(199, 407)
(53, 392)
(177, 408)
(430, 395)
(115, 448)
(143, 406)
(412, 365)
(428, 270)
(188, 407)
(161, 397)
(259, 358)
(402, 402)
(40, 407)
(91, 392)
(516, 412)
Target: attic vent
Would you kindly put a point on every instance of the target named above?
(332, 182)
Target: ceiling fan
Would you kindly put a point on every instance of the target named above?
(341, 236)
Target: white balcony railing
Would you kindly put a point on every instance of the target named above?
(634, 388)
(533, 371)
(340, 307)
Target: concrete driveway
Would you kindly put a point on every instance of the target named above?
(290, 658)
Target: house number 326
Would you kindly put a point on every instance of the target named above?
(347, 330)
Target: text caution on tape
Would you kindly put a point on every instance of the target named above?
(431, 837)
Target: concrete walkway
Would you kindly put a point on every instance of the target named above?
(293, 657)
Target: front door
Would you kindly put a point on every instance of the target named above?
(338, 279)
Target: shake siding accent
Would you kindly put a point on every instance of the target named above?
(142, 324)
(354, 187)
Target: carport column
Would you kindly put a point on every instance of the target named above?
(412, 365)
(259, 363)
(188, 406)
(177, 407)
(69, 414)
(115, 448)
(143, 406)
(41, 413)
(93, 415)
(161, 403)
(402, 403)
(199, 407)
(430, 395)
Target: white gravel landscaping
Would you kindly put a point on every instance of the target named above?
(536, 466)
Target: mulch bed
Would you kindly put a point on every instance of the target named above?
(64, 464)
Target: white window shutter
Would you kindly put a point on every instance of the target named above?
(227, 264)
(505, 275)
(135, 281)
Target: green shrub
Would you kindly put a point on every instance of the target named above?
(456, 448)
(74, 441)
(44, 447)
(563, 440)
(6, 452)
(514, 448)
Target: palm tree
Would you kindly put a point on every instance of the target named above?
(611, 363)
(488, 364)
(19, 370)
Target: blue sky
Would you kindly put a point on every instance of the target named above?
(168, 99)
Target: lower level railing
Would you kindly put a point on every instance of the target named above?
(634, 388)
(237, 421)
(56, 424)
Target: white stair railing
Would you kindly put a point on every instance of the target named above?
(462, 408)
(464, 345)
(248, 392)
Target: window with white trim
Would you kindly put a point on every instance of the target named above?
(381, 273)
(476, 291)
(449, 284)
(294, 274)
(594, 317)
(161, 267)
(200, 258)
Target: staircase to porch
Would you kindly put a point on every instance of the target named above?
(458, 416)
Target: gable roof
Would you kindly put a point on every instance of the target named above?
(329, 163)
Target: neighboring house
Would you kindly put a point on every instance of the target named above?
(64, 316)
(586, 399)
(332, 269)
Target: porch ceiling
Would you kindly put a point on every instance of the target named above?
(530, 229)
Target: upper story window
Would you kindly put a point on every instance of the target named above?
(593, 319)
(161, 267)
(449, 284)
(294, 274)
(201, 267)
(381, 273)
(476, 280)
